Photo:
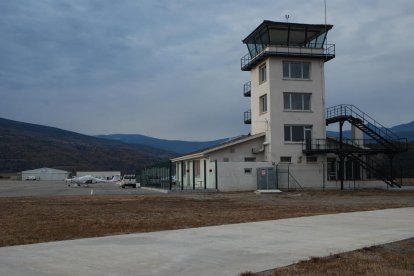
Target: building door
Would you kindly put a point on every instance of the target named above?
(266, 178)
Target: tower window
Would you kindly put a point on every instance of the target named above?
(263, 103)
(297, 133)
(262, 73)
(296, 101)
(296, 70)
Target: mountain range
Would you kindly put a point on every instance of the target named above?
(176, 146)
(28, 146)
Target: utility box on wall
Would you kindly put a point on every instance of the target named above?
(266, 178)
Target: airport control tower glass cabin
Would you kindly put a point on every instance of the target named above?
(286, 87)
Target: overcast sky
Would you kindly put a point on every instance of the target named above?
(171, 69)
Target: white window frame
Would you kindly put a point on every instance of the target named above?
(263, 104)
(288, 96)
(262, 73)
(289, 75)
(306, 128)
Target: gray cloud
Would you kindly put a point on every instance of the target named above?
(171, 69)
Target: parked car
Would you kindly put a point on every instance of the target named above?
(129, 180)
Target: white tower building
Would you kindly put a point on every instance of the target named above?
(287, 87)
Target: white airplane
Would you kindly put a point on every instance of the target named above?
(89, 179)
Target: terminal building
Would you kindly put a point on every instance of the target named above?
(287, 147)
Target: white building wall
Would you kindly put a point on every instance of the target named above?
(46, 174)
(259, 120)
(239, 152)
(186, 182)
(273, 121)
(232, 176)
(280, 117)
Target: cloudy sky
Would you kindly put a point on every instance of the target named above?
(171, 69)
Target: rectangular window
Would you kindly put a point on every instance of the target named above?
(263, 103)
(311, 159)
(296, 101)
(285, 159)
(250, 159)
(296, 70)
(262, 73)
(297, 133)
(247, 170)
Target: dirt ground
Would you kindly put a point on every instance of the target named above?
(25, 220)
(395, 258)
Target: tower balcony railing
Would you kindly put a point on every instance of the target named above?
(247, 89)
(248, 117)
(325, 52)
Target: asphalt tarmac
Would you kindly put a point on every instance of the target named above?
(10, 188)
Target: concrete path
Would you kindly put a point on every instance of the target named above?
(218, 250)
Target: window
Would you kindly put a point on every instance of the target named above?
(285, 159)
(247, 170)
(263, 103)
(295, 133)
(311, 159)
(262, 73)
(296, 101)
(296, 70)
(250, 159)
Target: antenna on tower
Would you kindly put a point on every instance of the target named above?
(287, 17)
(326, 34)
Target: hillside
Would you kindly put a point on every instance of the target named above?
(177, 146)
(28, 146)
(403, 131)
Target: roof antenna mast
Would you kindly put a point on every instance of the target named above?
(326, 34)
(287, 17)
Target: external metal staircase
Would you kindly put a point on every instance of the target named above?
(372, 167)
(383, 141)
(345, 112)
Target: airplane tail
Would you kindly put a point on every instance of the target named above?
(115, 178)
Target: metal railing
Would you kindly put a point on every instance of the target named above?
(248, 117)
(349, 145)
(247, 89)
(344, 110)
(328, 52)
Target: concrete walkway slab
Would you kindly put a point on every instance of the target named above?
(217, 250)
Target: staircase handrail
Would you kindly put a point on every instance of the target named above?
(372, 166)
(349, 109)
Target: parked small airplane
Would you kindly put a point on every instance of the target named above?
(89, 179)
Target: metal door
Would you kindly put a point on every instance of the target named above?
(266, 178)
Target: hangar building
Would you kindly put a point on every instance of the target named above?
(45, 174)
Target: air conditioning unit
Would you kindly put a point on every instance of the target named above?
(257, 150)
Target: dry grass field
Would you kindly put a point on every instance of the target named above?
(395, 258)
(25, 220)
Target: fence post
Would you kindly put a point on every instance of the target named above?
(182, 175)
(205, 174)
(170, 176)
(193, 174)
(215, 164)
